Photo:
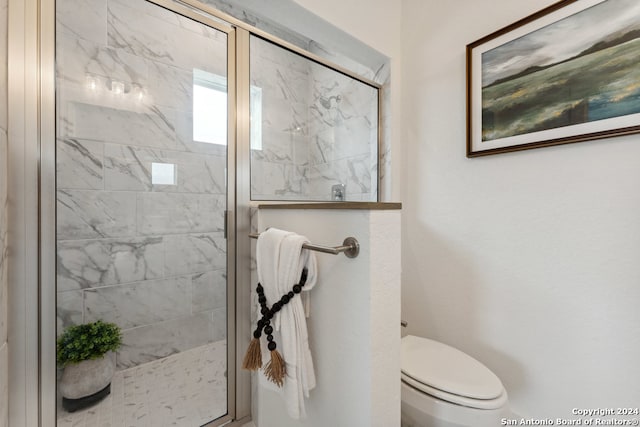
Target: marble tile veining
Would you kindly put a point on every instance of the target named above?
(130, 168)
(95, 214)
(209, 290)
(276, 180)
(85, 72)
(285, 116)
(79, 58)
(354, 172)
(150, 36)
(85, 19)
(178, 23)
(219, 324)
(139, 304)
(79, 164)
(94, 263)
(195, 253)
(188, 389)
(264, 52)
(171, 86)
(319, 128)
(175, 213)
(147, 343)
(335, 144)
(151, 128)
(70, 310)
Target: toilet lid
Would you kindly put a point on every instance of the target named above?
(447, 369)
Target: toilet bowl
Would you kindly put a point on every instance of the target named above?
(444, 387)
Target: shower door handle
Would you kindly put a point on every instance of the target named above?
(226, 219)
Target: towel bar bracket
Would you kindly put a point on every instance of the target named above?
(354, 247)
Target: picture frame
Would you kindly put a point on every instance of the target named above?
(565, 74)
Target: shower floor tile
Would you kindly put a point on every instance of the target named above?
(187, 389)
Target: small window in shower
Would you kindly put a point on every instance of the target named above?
(210, 110)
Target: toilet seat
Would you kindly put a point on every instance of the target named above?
(456, 399)
(444, 372)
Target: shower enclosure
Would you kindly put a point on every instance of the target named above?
(143, 143)
(149, 127)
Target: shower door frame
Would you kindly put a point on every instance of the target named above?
(47, 194)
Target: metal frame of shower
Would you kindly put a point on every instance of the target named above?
(32, 205)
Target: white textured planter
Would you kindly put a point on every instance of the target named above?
(88, 379)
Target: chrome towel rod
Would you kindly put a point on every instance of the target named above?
(350, 247)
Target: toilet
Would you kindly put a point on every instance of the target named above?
(444, 387)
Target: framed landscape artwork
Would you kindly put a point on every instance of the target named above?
(568, 73)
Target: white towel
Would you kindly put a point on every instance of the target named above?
(280, 260)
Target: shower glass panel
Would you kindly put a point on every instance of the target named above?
(141, 164)
(314, 130)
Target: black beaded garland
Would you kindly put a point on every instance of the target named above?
(264, 324)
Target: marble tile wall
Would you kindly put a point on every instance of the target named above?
(319, 128)
(330, 45)
(279, 169)
(148, 256)
(4, 380)
(344, 132)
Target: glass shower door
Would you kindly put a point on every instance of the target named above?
(141, 182)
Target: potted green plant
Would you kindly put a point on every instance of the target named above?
(84, 351)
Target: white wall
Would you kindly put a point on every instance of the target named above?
(527, 261)
(353, 327)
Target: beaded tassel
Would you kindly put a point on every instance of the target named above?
(276, 369)
(253, 358)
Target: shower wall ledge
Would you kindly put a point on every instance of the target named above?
(370, 206)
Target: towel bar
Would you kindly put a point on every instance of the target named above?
(350, 247)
